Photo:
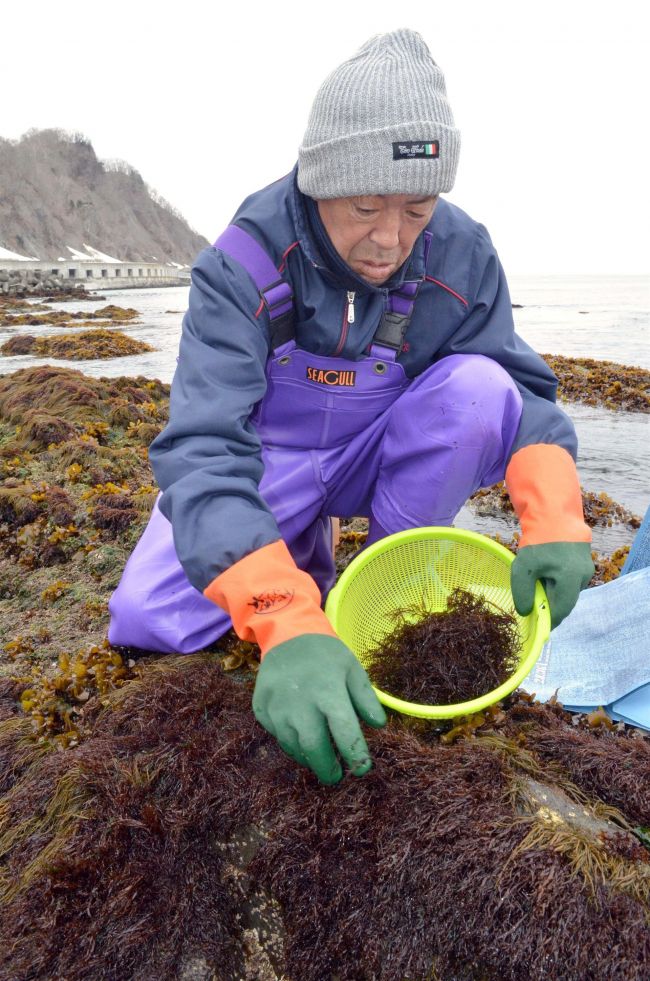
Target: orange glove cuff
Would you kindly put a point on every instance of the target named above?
(269, 598)
(543, 485)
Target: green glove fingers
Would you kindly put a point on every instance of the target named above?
(522, 584)
(306, 740)
(564, 569)
(308, 692)
(287, 737)
(346, 733)
(313, 744)
(561, 599)
(363, 697)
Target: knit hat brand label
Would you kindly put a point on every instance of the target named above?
(413, 149)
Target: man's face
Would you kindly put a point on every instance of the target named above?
(375, 234)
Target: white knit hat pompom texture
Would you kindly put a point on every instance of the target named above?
(381, 124)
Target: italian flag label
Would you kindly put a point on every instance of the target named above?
(416, 149)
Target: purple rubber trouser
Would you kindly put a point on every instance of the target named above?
(339, 438)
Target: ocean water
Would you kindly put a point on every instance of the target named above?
(603, 317)
(607, 318)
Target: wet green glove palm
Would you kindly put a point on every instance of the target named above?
(564, 568)
(312, 688)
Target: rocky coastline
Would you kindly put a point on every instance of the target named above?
(77, 487)
(137, 786)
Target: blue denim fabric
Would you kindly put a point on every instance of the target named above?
(639, 556)
(600, 655)
(635, 707)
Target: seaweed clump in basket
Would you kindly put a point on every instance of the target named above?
(450, 656)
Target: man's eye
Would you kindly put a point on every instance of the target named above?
(413, 214)
(367, 211)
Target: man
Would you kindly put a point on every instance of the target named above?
(348, 349)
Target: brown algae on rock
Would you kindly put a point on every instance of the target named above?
(40, 315)
(85, 346)
(604, 383)
(177, 816)
(77, 490)
(128, 782)
(75, 493)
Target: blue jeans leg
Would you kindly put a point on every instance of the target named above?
(639, 556)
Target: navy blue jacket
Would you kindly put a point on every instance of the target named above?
(207, 460)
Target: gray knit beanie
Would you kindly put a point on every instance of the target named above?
(381, 124)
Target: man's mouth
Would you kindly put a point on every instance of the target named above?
(376, 270)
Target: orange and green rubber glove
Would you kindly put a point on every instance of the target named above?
(309, 692)
(310, 689)
(555, 545)
(564, 569)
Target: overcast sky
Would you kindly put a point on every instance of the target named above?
(209, 101)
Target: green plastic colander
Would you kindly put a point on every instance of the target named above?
(422, 566)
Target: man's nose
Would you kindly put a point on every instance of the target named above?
(385, 233)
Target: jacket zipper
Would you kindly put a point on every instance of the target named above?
(348, 318)
(350, 307)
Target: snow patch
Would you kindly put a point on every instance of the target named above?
(78, 255)
(91, 255)
(96, 254)
(6, 254)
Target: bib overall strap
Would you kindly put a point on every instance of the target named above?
(389, 336)
(275, 292)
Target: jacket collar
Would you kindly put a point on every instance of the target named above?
(317, 247)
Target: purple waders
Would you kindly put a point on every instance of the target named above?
(339, 438)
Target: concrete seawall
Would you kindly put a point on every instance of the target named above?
(35, 278)
(101, 286)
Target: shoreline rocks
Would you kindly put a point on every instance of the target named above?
(38, 283)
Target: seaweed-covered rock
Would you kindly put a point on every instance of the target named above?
(18, 506)
(115, 313)
(60, 506)
(42, 429)
(62, 454)
(61, 391)
(188, 838)
(78, 398)
(114, 513)
(85, 346)
(606, 383)
(33, 315)
(20, 344)
(22, 504)
(124, 412)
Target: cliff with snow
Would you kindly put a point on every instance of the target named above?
(55, 195)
